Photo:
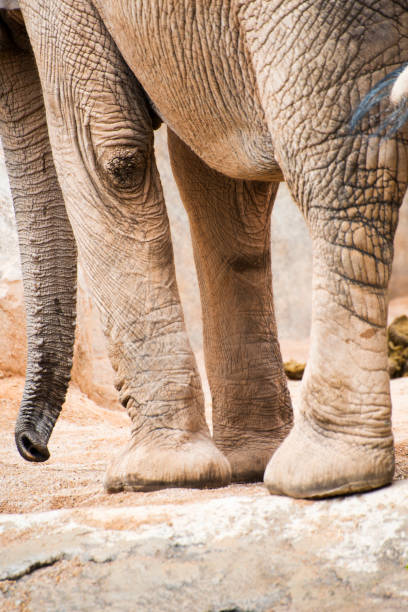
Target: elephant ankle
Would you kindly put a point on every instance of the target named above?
(176, 459)
(249, 451)
(353, 418)
(311, 464)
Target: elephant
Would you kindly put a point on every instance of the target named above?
(253, 93)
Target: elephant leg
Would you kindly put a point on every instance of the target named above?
(47, 247)
(230, 225)
(342, 441)
(102, 139)
(349, 185)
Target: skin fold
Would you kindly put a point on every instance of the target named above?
(253, 93)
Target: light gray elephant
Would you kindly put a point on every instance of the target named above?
(253, 93)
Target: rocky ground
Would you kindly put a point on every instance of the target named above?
(65, 545)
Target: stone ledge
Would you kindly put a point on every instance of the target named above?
(237, 552)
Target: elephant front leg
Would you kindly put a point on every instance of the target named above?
(230, 224)
(102, 140)
(342, 439)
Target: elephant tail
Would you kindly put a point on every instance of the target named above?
(399, 90)
(394, 88)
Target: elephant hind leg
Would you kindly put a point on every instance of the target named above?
(230, 225)
(342, 440)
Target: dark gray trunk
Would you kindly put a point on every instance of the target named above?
(48, 252)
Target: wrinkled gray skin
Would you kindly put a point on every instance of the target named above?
(253, 93)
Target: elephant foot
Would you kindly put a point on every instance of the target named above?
(182, 460)
(314, 464)
(249, 452)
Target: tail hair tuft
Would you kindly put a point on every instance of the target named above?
(397, 115)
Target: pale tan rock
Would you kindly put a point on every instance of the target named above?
(12, 328)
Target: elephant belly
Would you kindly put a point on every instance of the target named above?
(191, 60)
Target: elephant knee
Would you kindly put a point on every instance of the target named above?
(245, 264)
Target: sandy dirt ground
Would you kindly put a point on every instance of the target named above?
(85, 438)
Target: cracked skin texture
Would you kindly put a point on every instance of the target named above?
(260, 91)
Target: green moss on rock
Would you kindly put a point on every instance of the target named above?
(293, 369)
(398, 347)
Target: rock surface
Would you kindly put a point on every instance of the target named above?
(247, 551)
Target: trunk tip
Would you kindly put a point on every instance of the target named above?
(30, 446)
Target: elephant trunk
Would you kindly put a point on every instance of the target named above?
(48, 257)
(48, 369)
(47, 246)
(33, 429)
